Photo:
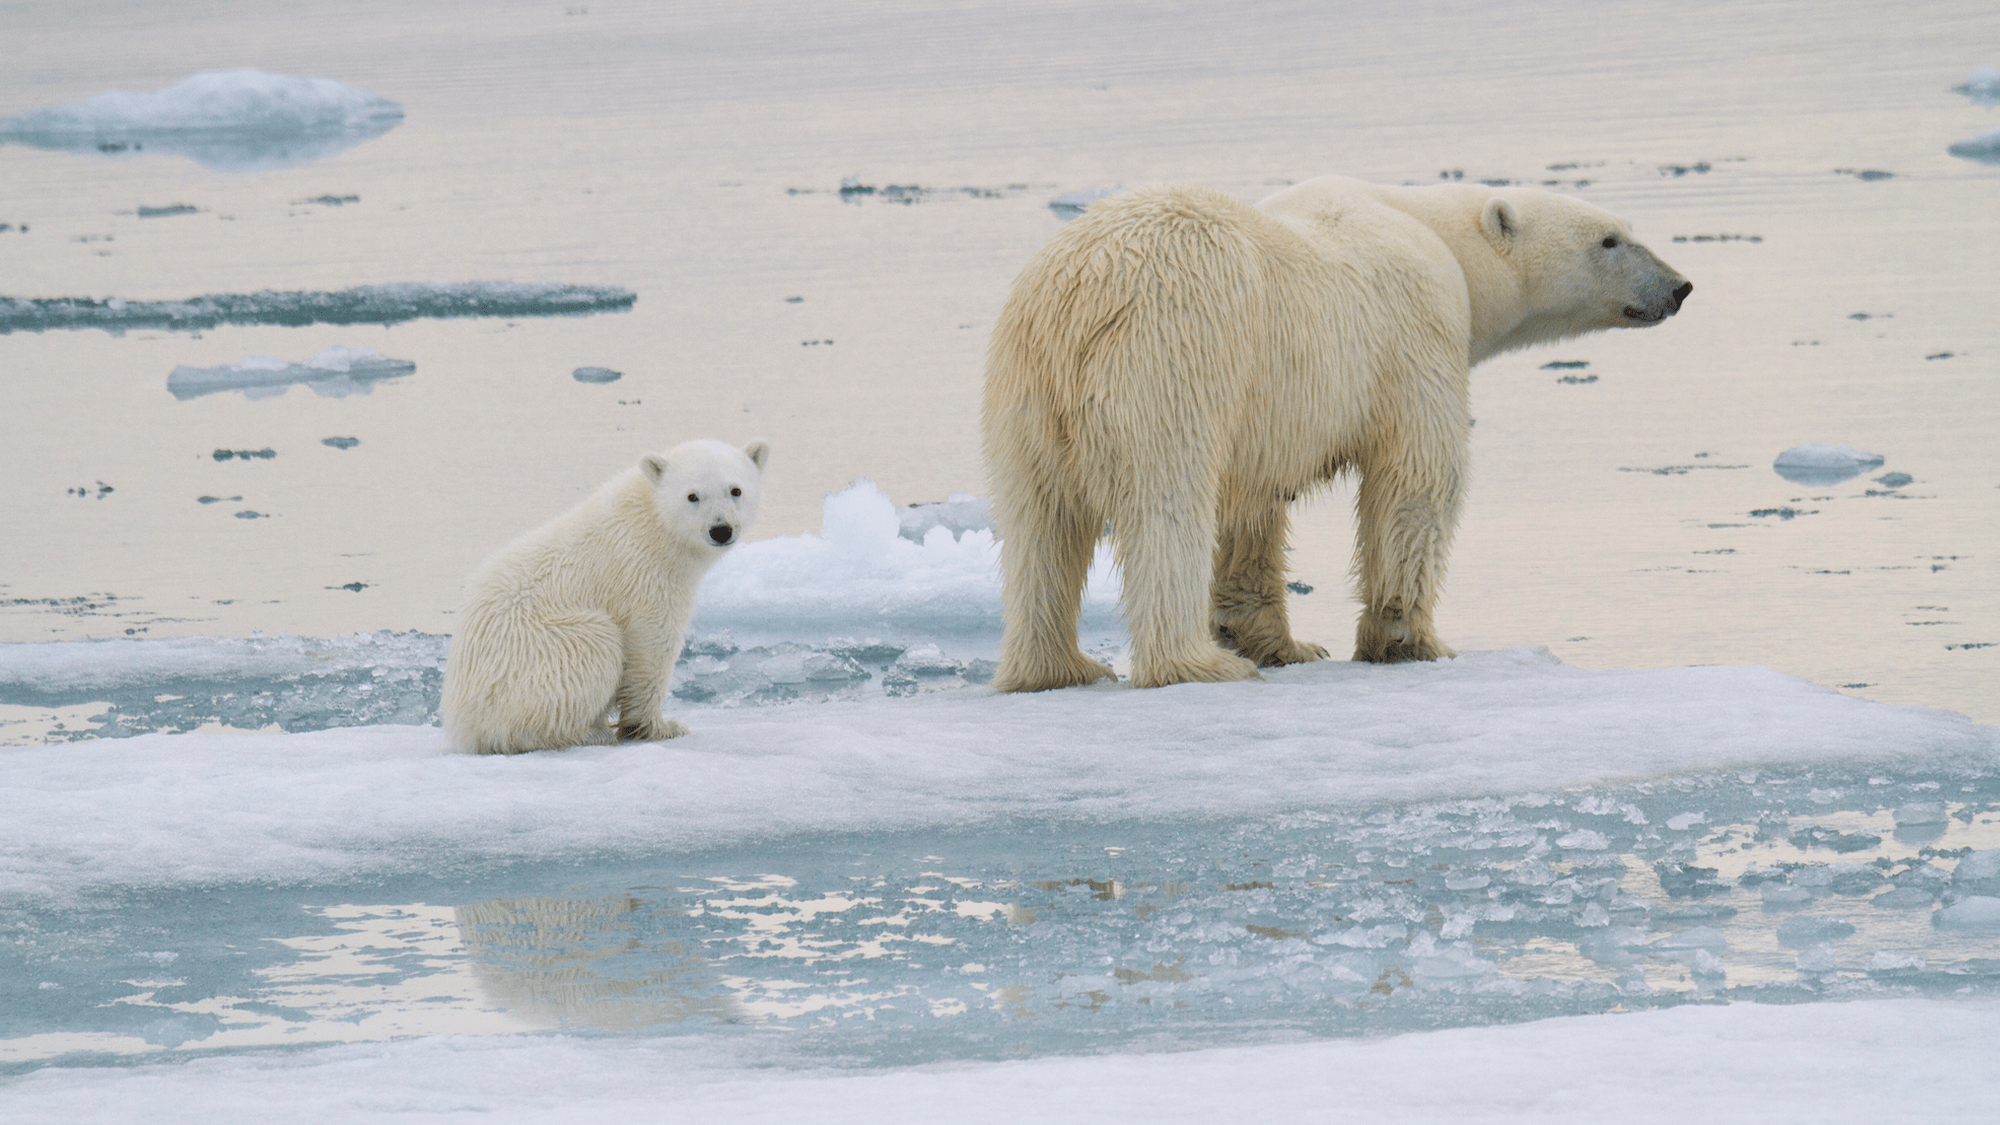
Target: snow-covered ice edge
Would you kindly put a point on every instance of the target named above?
(1865, 1062)
(164, 810)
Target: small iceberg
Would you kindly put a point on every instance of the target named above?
(596, 375)
(367, 304)
(334, 373)
(1074, 204)
(1985, 148)
(1824, 464)
(1982, 85)
(229, 120)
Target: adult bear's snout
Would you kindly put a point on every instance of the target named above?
(722, 533)
(1681, 294)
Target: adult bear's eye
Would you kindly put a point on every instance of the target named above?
(693, 499)
(736, 492)
(1610, 241)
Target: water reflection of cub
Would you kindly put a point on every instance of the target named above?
(570, 962)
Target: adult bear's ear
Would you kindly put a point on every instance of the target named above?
(758, 451)
(654, 466)
(1501, 221)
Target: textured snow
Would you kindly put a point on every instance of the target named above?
(1830, 1063)
(196, 808)
(367, 304)
(233, 120)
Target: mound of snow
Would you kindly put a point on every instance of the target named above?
(1824, 464)
(335, 372)
(872, 568)
(232, 120)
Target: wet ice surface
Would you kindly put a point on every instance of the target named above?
(367, 304)
(1776, 885)
(229, 120)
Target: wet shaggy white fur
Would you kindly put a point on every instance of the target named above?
(1183, 364)
(585, 615)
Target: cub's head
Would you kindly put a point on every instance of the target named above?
(1579, 267)
(707, 491)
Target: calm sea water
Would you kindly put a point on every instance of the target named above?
(692, 153)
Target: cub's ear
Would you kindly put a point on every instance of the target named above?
(758, 451)
(654, 466)
(1500, 220)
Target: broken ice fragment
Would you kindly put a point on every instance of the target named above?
(1823, 464)
(596, 375)
(334, 373)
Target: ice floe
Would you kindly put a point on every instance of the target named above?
(335, 372)
(367, 304)
(1982, 85)
(1984, 148)
(1824, 464)
(231, 120)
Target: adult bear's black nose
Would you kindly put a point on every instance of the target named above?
(721, 533)
(1681, 294)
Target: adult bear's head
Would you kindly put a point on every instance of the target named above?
(1578, 267)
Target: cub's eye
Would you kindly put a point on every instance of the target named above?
(736, 492)
(1610, 241)
(693, 498)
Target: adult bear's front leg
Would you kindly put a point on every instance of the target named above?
(650, 652)
(1412, 489)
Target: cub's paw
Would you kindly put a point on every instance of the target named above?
(1388, 651)
(658, 730)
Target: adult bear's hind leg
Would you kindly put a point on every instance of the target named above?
(1248, 609)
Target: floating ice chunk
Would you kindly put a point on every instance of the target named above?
(1885, 961)
(1920, 812)
(1584, 840)
(1686, 820)
(1594, 916)
(1823, 464)
(1694, 937)
(230, 120)
(1985, 148)
(1981, 911)
(1978, 873)
(367, 304)
(334, 373)
(1800, 932)
(1818, 959)
(958, 515)
(861, 573)
(596, 375)
(1075, 203)
(1982, 85)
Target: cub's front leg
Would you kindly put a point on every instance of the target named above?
(650, 651)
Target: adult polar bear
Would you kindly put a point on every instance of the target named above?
(1184, 364)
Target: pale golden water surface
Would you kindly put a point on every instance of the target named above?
(693, 154)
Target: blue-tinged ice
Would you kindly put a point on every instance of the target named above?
(367, 304)
(1982, 85)
(1823, 464)
(229, 120)
(1985, 148)
(335, 372)
(1075, 203)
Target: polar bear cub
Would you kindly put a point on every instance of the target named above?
(585, 615)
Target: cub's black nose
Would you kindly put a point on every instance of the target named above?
(1681, 294)
(721, 533)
